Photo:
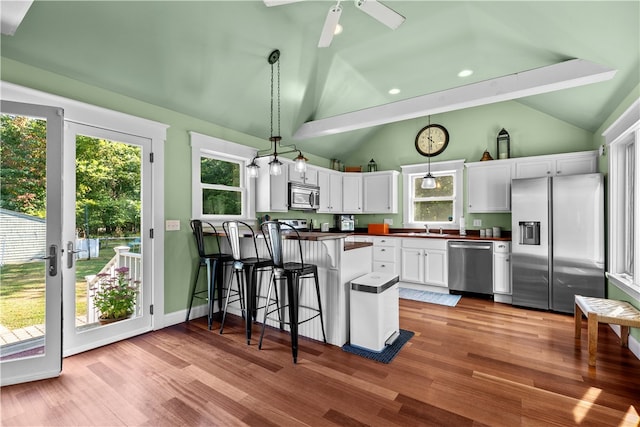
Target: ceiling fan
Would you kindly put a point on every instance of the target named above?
(373, 8)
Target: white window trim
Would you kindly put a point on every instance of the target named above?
(219, 148)
(619, 134)
(455, 166)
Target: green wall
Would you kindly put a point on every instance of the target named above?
(472, 131)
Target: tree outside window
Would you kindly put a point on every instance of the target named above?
(222, 192)
(433, 205)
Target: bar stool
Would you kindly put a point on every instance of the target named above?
(214, 263)
(250, 266)
(292, 273)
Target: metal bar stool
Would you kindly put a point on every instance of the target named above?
(214, 263)
(292, 273)
(250, 266)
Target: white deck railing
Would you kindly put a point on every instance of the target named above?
(122, 258)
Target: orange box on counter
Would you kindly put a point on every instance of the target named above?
(378, 228)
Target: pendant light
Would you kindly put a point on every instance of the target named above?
(275, 165)
(428, 182)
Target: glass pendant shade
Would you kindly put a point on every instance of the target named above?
(300, 163)
(275, 167)
(428, 182)
(252, 169)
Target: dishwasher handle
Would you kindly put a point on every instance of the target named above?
(461, 245)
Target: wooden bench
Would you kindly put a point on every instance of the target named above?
(600, 310)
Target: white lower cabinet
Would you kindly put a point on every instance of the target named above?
(424, 261)
(386, 254)
(502, 268)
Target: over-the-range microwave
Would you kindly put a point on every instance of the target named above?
(303, 197)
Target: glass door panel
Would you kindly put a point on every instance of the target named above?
(105, 291)
(30, 242)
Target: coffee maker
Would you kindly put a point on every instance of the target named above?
(345, 222)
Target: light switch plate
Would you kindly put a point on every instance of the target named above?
(477, 223)
(172, 225)
(388, 221)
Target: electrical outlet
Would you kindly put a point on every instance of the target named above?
(172, 225)
(477, 223)
(388, 221)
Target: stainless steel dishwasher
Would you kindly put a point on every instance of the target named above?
(470, 266)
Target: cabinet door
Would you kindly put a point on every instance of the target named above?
(352, 193)
(489, 188)
(335, 196)
(435, 267)
(294, 175)
(311, 176)
(576, 165)
(325, 191)
(534, 168)
(501, 273)
(379, 193)
(411, 265)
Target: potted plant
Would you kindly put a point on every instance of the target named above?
(115, 295)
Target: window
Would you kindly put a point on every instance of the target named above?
(220, 188)
(441, 206)
(624, 210)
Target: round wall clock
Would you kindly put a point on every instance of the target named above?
(432, 140)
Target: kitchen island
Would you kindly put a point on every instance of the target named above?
(338, 262)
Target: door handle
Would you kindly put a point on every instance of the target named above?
(70, 254)
(53, 260)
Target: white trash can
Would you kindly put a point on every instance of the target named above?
(374, 311)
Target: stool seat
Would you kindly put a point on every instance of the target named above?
(601, 310)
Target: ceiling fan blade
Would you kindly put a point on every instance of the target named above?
(270, 3)
(330, 24)
(380, 12)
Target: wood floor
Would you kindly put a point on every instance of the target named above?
(479, 363)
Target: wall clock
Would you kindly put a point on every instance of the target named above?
(432, 140)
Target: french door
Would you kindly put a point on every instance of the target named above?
(106, 234)
(31, 249)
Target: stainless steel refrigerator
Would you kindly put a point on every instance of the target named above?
(557, 230)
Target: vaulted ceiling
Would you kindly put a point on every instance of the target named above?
(208, 59)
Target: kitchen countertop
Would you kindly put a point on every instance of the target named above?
(450, 236)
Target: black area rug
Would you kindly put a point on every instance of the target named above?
(386, 355)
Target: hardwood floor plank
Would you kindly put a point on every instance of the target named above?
(479, 363)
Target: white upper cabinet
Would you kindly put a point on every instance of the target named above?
(310, 177)
(489, 186)
(380, 190)
(330, 191)
(352, 193)
(557, 164)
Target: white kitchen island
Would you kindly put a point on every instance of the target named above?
(338, 264)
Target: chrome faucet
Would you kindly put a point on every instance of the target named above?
(440, 230)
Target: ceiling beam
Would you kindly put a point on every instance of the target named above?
(567, 74)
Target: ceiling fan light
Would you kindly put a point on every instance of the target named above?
(428, 182)
(330, 25)
(275, 167)
(380, 12)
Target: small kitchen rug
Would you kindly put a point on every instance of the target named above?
(386, 355)
(430, 297)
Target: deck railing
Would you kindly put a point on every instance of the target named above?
(122, 258)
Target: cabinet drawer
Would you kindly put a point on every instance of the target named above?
(383, 253)
(384, 267)
(386, 241)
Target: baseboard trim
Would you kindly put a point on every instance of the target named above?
(634, 344)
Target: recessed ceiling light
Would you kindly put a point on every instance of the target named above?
(394, 91)
(338, 30)
(465, 73)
